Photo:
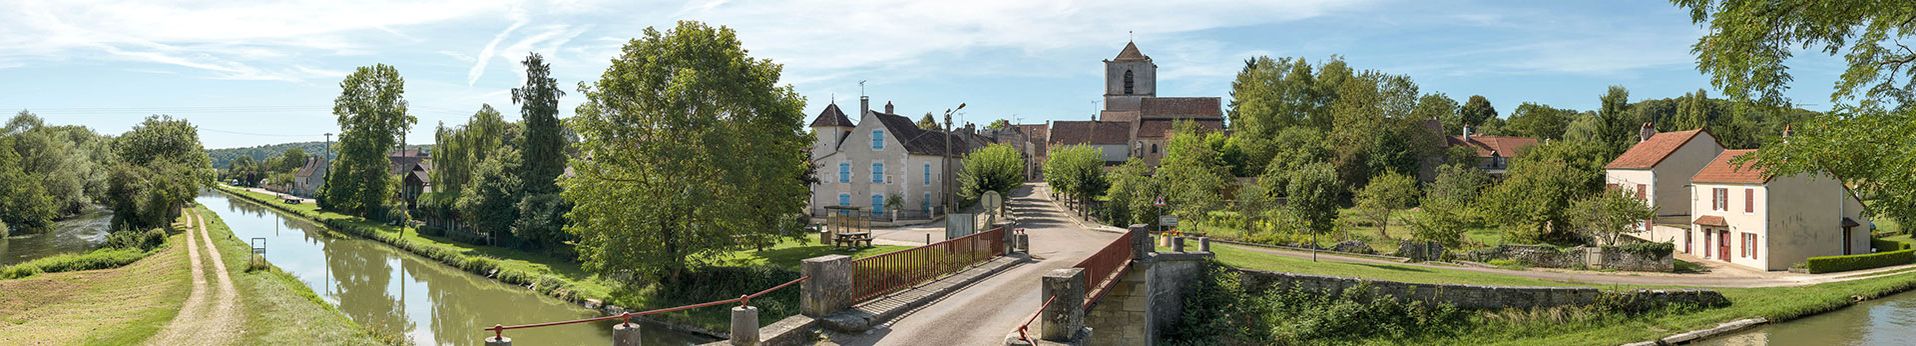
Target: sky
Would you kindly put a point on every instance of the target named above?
(262, 72)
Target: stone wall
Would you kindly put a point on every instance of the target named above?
(1581, 257)
(1482, 297)
(1150, 294)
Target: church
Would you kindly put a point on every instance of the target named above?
(1135, 121)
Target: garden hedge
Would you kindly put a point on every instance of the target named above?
(1889, 245)
(1831, 264)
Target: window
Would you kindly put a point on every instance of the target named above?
(844, 200)
(1127, 82)
(925, 203)
(1154, 148)
(1720, 199)
(1749, 245)
(878, 139)
(1642, 192)
(878, 204)
(1749, 200)
(927, 174)
(878, 172)
(844, 172)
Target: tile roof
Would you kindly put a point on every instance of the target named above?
(1181, 107)
(1504, 146)
(1090, 132)
(920, 141)
(1162, 128)
(1720, 170)
(1650, 152)
(311, 167)
(831, 116)
(1711, 220)
(1131, 53)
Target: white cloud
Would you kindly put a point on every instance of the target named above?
(485, 54)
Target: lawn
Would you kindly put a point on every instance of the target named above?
(1243, 257)
(1354, 224)
(118, 306)
(280, 309)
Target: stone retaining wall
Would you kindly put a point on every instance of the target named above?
(1581, 257)
(1481, 297)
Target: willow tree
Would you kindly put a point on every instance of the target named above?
(688, 146)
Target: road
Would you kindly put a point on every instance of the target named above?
(983, 313)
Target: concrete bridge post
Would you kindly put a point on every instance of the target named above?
(624, 334)
(1140, 241)
(1177, 244)
(498, 341)
(1065, 289)
(829, 288)
(745, 326)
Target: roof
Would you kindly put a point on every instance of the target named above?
(1036, 131)
(1181, 107)
(920, 141)
(1162, 128)
(1650, 152)
(1711, 220)
(1090, 132)
(1720, 170)
(831, 116)
(1504, 146)
(312, 166)
(402, 164)
(1131, 53)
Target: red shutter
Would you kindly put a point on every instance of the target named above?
(1749, 200)
(1641, 195)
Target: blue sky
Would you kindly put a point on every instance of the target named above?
(262, 72)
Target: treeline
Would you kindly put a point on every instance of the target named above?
(224, 158)
(144, 176)
(277, 170)
(496, 177)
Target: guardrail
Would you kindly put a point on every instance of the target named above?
(888, 273)
(498, 331)
(1101, 270)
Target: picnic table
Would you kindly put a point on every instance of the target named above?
(852, 239)
(289, 199)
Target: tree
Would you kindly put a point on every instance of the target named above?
(543, 155)
(684, 100)
(1477, 110)
(1447, 204)
(1132, 195)
(1386, 194)
(1693, 110)
(1268, 96)
(1540, 121)
(372, 117)
(1312, 196)
(490, 202)
(928, 123)
(57, 158)
(290, 160)
(1619, 126)
(1296, 147)
(1605, 216)
(1748, 42)
(999, 125)
(1077, 171)
(162, 167)
(460, 149)
(997, 167)
(542, 220)
(1192, 174)
(24, 204)
(1538, 188)
(1440, 107)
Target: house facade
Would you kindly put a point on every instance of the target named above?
(883, 157)
(1134, 121)
(1749, 218)
(310, 177)
(413, 167)
(1657, 170)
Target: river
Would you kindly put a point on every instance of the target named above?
(1883, 321)
(387, 289)
(75, 234)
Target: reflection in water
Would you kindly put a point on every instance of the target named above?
(1884, 321)
(385, 289)
(76, 234)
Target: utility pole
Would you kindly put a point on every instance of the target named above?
(328, 150)
(951, 196)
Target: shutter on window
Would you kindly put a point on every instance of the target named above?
(1749, 200)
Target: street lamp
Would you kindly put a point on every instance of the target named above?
(951, 196)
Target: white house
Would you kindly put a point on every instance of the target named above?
(1749, 218)
(883, 156)
(1657, 170)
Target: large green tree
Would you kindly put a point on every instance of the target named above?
(689, 147)
(1312, 196)
(1193, 174)
(24, 204)
(1531, 203)
(544, 150)
(1606, 216)
(372, 119)
(161, 167)
(1540, 121)
(1132, 195)
(1076, 171)
(1477, 110)
(57, 156)
(997, 167)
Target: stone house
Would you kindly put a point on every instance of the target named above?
(883, 156)
(1747, 217)
(413, 167)
(310, 177)
(1493, 153)
(1657, 170)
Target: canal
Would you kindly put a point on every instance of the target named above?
(390, 290)
(1883, 321)
(75, 234)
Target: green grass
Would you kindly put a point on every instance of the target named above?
(133, 302)
(1357, 225)
(101, 258)
(1242, 257)
(279, 308)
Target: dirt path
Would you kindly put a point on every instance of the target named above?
(209, 316)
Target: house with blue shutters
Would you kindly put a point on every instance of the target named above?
(883, 157)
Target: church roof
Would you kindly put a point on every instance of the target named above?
(1181, 107)
(1131, 53)
(1162, 128)
(1065, 132)
(831, 116)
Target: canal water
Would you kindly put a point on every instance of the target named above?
(75, 234)
(387, 289)
(1883, 321)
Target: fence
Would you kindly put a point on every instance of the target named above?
(1101, 270)
(498, 331)
(884, 274)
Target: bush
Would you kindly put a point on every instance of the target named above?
(1831, 264)
(140, 240)
(1220, 310)
(1651, 249)
(1885, 245)
(97, 259)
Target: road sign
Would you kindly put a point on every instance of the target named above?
(1158, 202)
(1168, 220)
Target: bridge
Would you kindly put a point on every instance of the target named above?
(1036, 281)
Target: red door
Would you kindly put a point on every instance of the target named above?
(1723, 245)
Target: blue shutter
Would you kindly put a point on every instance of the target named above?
(844, 172)
(927, 174)
(844, 200)
(925, 203)
(878, 140)
(878, 204)
(878, 172)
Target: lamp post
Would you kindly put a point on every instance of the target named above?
(951, 196)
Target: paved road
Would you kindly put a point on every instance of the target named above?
(983, 313)
(1720, 276)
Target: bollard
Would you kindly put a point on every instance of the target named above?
(745, 325)
(498, 341)
(1204, 244)
(1177, 244)
(1024, 243)
(625, 334)
(1140, 242)
(1065, 289)
(830, 287)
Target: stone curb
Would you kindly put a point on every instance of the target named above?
(858, 320)
(1685, 337)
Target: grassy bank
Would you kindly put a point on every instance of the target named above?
(1353, 224)
(563, 278)
(1581, 327)
(279, 308)
(117, 306)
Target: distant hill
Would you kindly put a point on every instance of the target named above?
(223, 157)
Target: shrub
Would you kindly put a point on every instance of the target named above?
(1651, 249)
(1831, 264)
(1220, 310)
(97, 259)
(141, 240)
(1885, 245)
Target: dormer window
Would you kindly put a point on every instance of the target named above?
(1128, 82)
(878, 139)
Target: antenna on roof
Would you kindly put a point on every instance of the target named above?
(834, 98)
(861, 88)
(1134, 35)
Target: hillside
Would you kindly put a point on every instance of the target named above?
(223, 157)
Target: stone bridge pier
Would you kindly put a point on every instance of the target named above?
(1138, 304)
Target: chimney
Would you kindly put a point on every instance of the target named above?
(864, 105)
(971, 128)
(1644, 133)
(888, 108)
(1466, 133)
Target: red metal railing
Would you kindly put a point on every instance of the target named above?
(498, 331)
(1100, 271)
(884, 274)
